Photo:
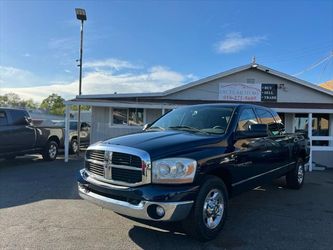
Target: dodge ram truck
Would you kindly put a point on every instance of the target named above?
(187, 164)
(19, 136)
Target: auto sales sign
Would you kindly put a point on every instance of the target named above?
(248, 92)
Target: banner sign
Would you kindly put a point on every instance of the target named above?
(248, 92)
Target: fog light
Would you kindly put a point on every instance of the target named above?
(160, 211)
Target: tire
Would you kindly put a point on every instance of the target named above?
(50, 151)
(73, 146)
(197, 223)
(295, 178)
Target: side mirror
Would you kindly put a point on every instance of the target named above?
(147, 125)
(255, 130)
(28, 120)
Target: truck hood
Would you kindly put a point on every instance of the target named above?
(166, 143)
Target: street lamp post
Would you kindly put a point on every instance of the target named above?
(80, 15)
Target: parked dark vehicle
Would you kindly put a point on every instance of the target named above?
(187, 164)
(84, 134)
(18, 136)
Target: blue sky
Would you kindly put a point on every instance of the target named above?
(135, 46)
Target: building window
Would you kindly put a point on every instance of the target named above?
(127, 116)
(320, 126)
(250, 80)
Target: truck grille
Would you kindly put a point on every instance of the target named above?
(121, 167)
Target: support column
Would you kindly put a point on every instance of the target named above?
(330, 127)
(67, 118)
(310, 139)
(289, 122)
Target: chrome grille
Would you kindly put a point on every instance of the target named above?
(126, 159)
(121, 168)
(97, 155)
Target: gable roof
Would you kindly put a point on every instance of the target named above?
(214, 77)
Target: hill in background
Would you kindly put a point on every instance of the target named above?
(327, 85)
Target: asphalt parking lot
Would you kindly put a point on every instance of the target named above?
(40, 209)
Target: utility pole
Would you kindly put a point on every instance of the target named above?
(80, 15)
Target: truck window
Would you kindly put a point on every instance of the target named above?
(3, 118)
(246, 118)
(267, 118)
(18, 117)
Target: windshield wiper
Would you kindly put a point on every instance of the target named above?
(188, 128)
(155, 127)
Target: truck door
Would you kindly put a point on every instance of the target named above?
(5, 143)
(277, 145)
(22, 134)
(250, 153)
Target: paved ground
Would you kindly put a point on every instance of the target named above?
(40, 209)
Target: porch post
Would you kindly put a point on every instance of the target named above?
(67, 118)
(330, 127)
(310, 139)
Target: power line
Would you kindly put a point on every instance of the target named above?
(322, 60)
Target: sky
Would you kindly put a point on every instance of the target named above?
(151, 46)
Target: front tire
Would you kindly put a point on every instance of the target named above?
(209, 212)
(50, 151)
(295, 178)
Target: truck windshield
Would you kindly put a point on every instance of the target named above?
(202, 119)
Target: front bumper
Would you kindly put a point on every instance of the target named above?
(131, 201)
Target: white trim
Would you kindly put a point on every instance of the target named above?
(321, 148)
(310, 139)
(305, 111)
(123, 105)
(322, 138)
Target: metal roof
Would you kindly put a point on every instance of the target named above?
(211, 78)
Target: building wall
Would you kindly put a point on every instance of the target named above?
(210, 90)
(102, 129)
(152, 114)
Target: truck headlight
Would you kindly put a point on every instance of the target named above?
(174, 170)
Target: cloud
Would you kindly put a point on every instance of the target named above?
(153, 79)
(10, 76)
(111, 63)
(235, 42)
(26, 54)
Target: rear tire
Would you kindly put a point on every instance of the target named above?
(295, 178)
(50, 151)
(209, 211)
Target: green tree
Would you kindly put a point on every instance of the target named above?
(83, 107)
(54, 104)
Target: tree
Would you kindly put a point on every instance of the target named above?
(54, 104)
(14, 100)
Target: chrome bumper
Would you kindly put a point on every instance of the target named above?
(174, 211)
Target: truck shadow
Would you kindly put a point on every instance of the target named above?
(29, 179)
(246, 211)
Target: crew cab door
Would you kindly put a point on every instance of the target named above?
(278, 145)
(22, 135)
(249, 159)
(5, 145)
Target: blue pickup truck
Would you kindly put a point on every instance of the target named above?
(186, 165)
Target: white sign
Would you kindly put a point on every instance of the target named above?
(240, 92)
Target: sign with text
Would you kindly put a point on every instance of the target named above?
(248, 92)
(268, 92)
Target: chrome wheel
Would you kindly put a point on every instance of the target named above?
(52, 151)
(300, 173)
(213, 209)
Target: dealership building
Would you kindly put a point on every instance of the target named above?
(300, 104)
